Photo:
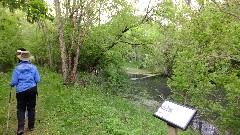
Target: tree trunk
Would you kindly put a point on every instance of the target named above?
(61, 39)
(74, 71)
(71, 51)
(188, 2)
(70, 59)
(85, 17)
(48, 43)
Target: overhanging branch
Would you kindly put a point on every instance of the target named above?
(221, 9)
(145, 19)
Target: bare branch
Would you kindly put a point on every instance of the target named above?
(146, 18)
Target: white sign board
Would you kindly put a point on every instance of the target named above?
(175, 115)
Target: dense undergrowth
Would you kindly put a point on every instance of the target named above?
(79, 110)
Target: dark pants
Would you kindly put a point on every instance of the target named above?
(26, 99)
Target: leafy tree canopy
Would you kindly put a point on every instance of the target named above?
(35, 9)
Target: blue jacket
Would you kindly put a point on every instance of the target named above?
(25, 76)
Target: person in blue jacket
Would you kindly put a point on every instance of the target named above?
(25, 77)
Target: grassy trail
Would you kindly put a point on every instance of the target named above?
(79, 110)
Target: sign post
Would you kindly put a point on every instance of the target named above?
(172, 130)
(175, 115)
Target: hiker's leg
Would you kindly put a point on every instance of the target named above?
(21, 108)
(31, 106)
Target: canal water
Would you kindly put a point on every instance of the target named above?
(155, 87)
(156, 90)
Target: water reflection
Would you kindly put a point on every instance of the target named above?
(155, 87)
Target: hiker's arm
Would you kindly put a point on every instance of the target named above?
(37, 76)
(14, 80)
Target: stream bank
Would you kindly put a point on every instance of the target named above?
(151, 89)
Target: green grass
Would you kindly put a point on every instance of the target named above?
(79, 110)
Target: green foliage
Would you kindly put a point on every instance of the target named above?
(115, 80)
(198, 49)
(16, 32)
(36, 41)
(35, 9)
(4, 98)
(99, 48)
(142, 47)
(10, 39)
(206, 69)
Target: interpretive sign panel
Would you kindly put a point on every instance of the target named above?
(175, 114)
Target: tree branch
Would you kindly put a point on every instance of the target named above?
(134, 44)
(146, 18)
(221, 9)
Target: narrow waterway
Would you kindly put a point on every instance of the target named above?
(155, 89)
